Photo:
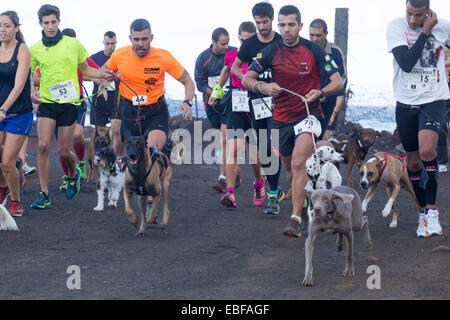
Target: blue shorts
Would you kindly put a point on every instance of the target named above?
(18, 125)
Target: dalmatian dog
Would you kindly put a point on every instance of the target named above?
(322, 173)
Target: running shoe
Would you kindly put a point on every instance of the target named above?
(19, 166)
(434, 228)
(65, 180)
(272, 206)
(82, 166)
(422, 229)
(4, 193)
(27, 170)
(259, 194)
(73, 185)
(42, 202)
(16, 209)
(443, 168)
(293, 229)
(221, 186)
(229, 200)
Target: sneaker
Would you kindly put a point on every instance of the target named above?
(434, 228)
(422, 229)
(272, 206)
(19, 166)
(293, 229)
(221, 186)
(82, 166)
(281, 195)
(4, 193)
(27, 170)
(443, 168)
(42, 202)
(73, 185)
(16, 209)
(259, 194)
(229, 200)
(65, 180)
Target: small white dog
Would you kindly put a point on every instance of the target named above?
(7, 222)
(112, 178)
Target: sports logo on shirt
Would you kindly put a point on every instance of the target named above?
(334, 64)
(327, 58)
(152, 71)
(328, 68)
(259, 55)
(151, 81)
(304, 68)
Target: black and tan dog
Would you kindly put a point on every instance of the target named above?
(148, 173)
(97, 144)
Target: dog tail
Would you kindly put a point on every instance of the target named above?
(7, 222)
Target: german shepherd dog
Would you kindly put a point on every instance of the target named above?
(96, 145)
(148, 173)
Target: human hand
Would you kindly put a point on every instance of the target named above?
(430, 22)
(187, 115)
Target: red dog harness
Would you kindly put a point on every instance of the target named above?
(402, 159)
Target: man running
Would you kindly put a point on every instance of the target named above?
(295, 63)
(105, 110)
(318, 32)
(58, 57)
(417, 43)
(143, 108)
(260, 104)
(208, 66)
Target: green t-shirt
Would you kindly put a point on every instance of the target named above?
(58, 67)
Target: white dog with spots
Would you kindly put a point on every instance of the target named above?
(322, 173)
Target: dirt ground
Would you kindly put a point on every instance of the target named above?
(211, 253)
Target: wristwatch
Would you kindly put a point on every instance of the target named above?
(189, 102)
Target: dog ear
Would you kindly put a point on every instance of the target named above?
(380, 164)
(309, 189)
(347, 198)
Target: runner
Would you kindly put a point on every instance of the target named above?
(16, 117)
(105, 108)
(295, 63)
(318, 32)
(142, 68)
(263, 14)
(208, 66)
(58, 57)
(237, 119)
(421, 91)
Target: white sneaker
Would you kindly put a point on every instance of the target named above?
(434, 228)
(442, 168)
(422, 229)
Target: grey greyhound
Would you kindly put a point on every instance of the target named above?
(336, 210)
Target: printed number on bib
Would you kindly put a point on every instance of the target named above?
(214, 81)
(140, 100)
(64, 92)
(423, 79)
(240, 101)
(309, 125)
(262, 108)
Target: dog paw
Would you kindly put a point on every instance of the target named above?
(112, 205)
(98, 209)
(393, 225)
(140, 235)
(308, 281)
(348, 272)
(386, 212)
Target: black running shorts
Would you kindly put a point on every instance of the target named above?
(65, 115)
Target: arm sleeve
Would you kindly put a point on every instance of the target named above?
(324, 61)
(407, 58)
(83, 54)
(92, 64)
(112, 63)
(264, 60)
(243, 52)
(201, 79)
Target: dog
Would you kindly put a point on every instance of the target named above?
(148, 173)
(98, 143)
(335, 211)
(390, 171)
(7, 223)
(355, 148)
(112, 178)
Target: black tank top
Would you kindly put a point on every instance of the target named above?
(8, 72)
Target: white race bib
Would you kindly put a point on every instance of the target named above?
(140, 100)
(423, 79)
(112, 86)
(309, 125)
(64, 92)
(262, 108)
(214, 81)
(240, 101)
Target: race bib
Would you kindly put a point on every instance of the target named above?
(140, 100)
(64, 92)
(309, 125)
(214, 81)
(423, 79)
(112, 86)
(240, 101)
(262, 108)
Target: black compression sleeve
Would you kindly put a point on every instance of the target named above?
(407, 58)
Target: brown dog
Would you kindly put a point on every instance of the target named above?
(391, 172)
(97, 144)
(148, 173)
(355, 148)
